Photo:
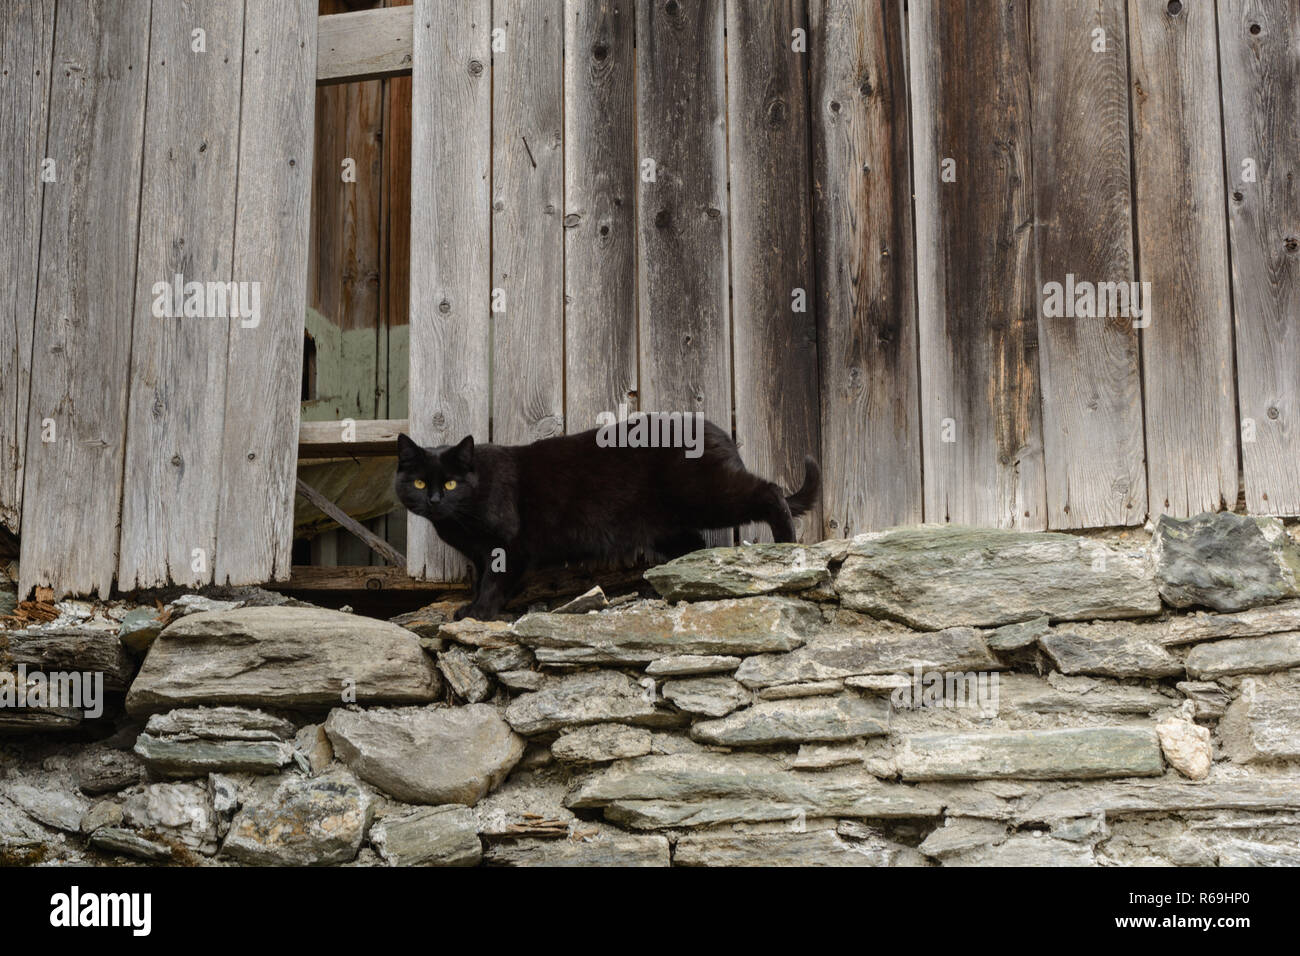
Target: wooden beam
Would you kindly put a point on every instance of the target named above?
(305, 577)
(361, 439)
(376, 543)
(366, 45)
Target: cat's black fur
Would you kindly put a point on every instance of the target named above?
(569, 499)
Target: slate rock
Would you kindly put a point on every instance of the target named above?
(1027, 850)
(1118, 649)
(838, 653)
(304, 821)
(139, 627)
(708, 696)
(640, 633)
(81, 649)
(1015, 637)
(811, 848)
(593, 600)
(1263, 723)
(933, 577)
(105, 771)
(589, 697)
(600, 743)
(690, 665)
(707, 789)
(747, 571)
(429, 836)
(282, 657)
(53, 807)
(129, 843)
(1031, 754)
(433, 755)
(1244, 655)
(1224, 561)
(101, 813)
(606, 848)
(795, 721)
(193, 742)
(463, 676)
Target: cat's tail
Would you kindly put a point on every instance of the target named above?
(806, 496)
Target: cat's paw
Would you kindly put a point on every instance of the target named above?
(472, 610)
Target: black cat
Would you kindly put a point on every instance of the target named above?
(511, 508)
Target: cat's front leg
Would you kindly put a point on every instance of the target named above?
(495, 588)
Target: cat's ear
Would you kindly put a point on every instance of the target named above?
(408, 452)
(462, 455)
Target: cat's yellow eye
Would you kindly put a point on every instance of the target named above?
(419, 482)
(449, 485)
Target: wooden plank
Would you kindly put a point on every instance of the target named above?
(26, 45)
(980, 404)
(600, 343)
(86, 283)
(377, 438)
(372, 540)
(451, 131)
(364, 45)
(1191, 430)
(527, 221)
(866, 305)
(1092, 393)
(685, 340)
(1260, 60)
(774, 317)
(177, 391)
(260, 453)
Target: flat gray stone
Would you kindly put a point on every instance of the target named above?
(811, 848)
(193, 742)
(462, 674)
(961, 835)
(139, 627)
(706, 789)
(794, 721)
(1209, 699)
(708, 696)
(932, 577)
(593, 600)
(286, 657)
(522, 679)
(836, 654)
(80, 649)
(1024, 849)
(1027, 693)
(54, 808)
(1031, 754)
(1167, 794)
(690, 665)
(433, 755)
(1253, 622)
(102, 813)
(510, 657)
(589, 697)
(640, 633)
(746, 571)
(1224, 561)
(429, 836)
(1015, 637)
(1263, 724)
(607, 848)
(105, 771)
(1244, 655)
(1113, 649)
(304, 821)
(601, 743)
(428, 620)
(128, 843)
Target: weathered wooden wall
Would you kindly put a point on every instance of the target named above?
(826, 224)
(157, 449)
(920, 173)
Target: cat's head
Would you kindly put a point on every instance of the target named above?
(435, 483)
